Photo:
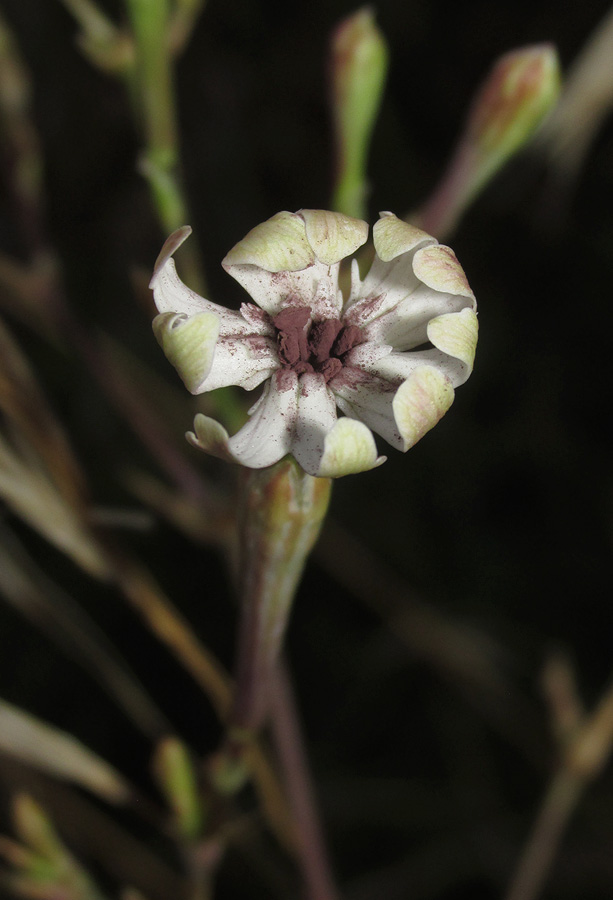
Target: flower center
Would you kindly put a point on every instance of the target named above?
(320, 348)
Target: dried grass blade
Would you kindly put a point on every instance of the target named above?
(47, 748)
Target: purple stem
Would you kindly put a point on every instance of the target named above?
(287, 733)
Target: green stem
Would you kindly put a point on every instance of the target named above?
(154, 99)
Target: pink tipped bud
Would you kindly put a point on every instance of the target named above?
(520, 90)
(513, 101)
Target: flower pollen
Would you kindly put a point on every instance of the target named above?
(319, 348)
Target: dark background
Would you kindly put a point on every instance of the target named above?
(499, 520)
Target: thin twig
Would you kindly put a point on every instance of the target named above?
(557, 807)
(583, 757)
(289, 744)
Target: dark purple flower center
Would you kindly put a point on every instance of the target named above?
(320, 348)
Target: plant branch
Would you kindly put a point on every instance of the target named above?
(289, 744)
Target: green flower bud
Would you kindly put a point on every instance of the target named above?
(359, 62)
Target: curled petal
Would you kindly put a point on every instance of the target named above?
(316, 285)
(171, 295)
(392, 237)
(349, 447)
(316, 418)
(210, 436)
(189, 344)
(406, 325)
(420, 402)
(245, 361)
(386, 286)
(332, 235)
(169, 248)
(397, 367)
(258, 320)
(267, 436)
(369, 399)
(456, 334)
(277, 245)
(438, 268)
(366, 355)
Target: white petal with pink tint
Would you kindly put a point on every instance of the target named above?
(316, 417)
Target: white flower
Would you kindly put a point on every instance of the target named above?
(389, 356)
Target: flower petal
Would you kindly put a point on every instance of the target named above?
(315, 286)
(406, 325)
(171, 295)
(438, 268)
(366, 355)
(388, 282)
(316, 418)
(369, 399)
(210, 436)
(267, 436)
(332, 235)
(189, 344)
(277, 245)
(348, 448)
(245, 361)
(397, 367)
(420, 402)
(169, 248)
(392, 237)
(456, 334)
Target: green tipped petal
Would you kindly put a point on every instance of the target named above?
(277, 245)
(420, 402)
(332, 235)
(348, 448)
(210, 436)
(456, 334)
(189, 344)
(438, 267)
(392, 237)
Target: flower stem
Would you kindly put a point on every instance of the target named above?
(319, 882)
(444, 207)
(558, 805)
(281, 514)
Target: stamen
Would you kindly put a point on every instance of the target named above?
(321, 338)
(318, 349)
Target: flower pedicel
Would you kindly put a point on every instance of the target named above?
(389, 356)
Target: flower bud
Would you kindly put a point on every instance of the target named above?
(358, 67)
(177, 779)
(520, 90)
(514, 99)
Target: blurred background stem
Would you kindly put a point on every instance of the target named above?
(154, 99)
